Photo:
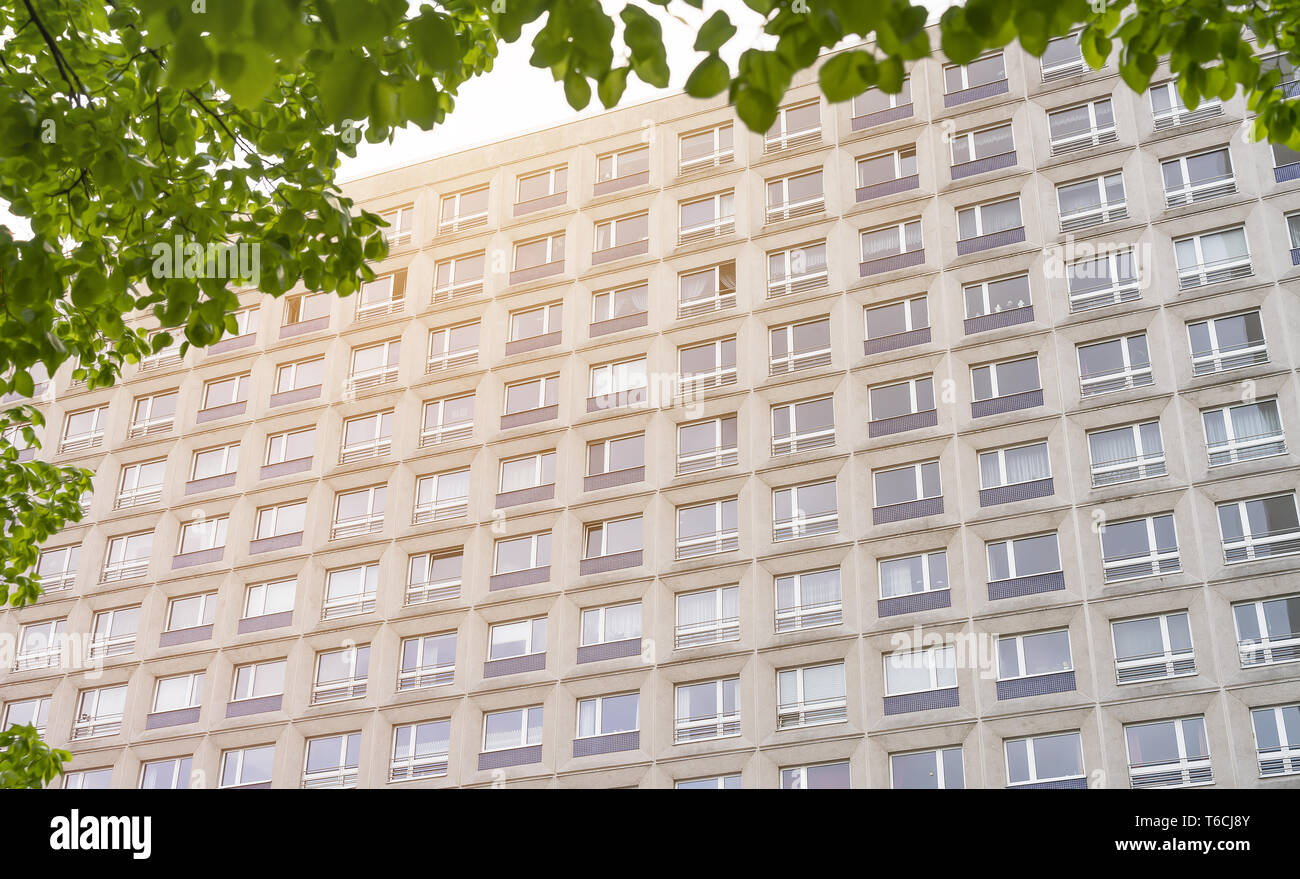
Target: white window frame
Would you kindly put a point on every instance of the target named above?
(1203, 273)
(1189, 771)
(1031, 762)
(800, 525)
(1171, 663)
(1247, 448)
(1154, 560)
(1128, 376)
(934, 660)
(1143, 465)
(1248, 548)
(368, 523)
(422, 676)
(719, 541)
(359, 602)
(1266, 650)
(1019, 640)
(718, 725)
(712, 631)
(443, 432)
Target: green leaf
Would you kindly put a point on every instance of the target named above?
(710, 77)
(577, 91)
(714, 33)
(847, 75)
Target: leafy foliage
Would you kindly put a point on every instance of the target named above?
(26, 761)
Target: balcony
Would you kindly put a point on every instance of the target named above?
(373, 448)
(1230, 357)
(1127, 469)
(423, 766)
(1181, 773)
(799, 442)
(793, 210)
(1113, 293)
(432, 590)
(976, 93)
(1154, 667)
(962, 170)
(1084, 140)
(357, 525)
(708, 460)
(428, 676)
(451, 360)
(1144, 564)
(1180, 115)
(1201, 191)
(1248, 448)
(705, 632)
(1266, 544)
(806, 526)
(1007, 403)
(714, 229)
(809, 616)
(993, 239)
(805, 283)
(460, 289)
(440, 510)
(797, 360)
(1269, 651)
(705, 727)
(710, 544)
(1214, 272)
(812, 713)
(337, 691)
(1093, 215)
(695, 307)
(446, 433)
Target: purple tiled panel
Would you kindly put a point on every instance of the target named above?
(525, 496)
(205, 415)
(232, 344)
(617, 324)
(245, 707)
(993, 239)
(1038, 685)
(880, 117)
(519, 578)
(900, 423)
(225, 480)
(635, 248)
(604, 187)
(202, 557)
(609, 650)
(171, 718)
(510, 757)
(614, 562)
(965, 96)
(1064, 784)
(999, 319)
(1022, 491)
(613, 478)
(540, 204)
(529, 416)
(1287, 173)
(535, 273)
(533, 343)
(280, 541)
(984, 165)
(264, 622)
(185, 636)
(495, 668)
(896, 341)
(909, 702)
(890, 263)
(930, 506)
(888, 187)
(1009, 403)
(306, 326)
(900, 604)
(1018, 586)
(297, 395)
(284, 468)
(625, 741)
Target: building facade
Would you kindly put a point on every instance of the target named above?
(943, 439)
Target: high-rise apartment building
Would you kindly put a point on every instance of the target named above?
(939, 439)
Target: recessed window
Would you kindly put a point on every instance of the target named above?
(531, 323)
(1168, 109)
(876, 100)
(892, 240)
(927, 770)
(1106, 279)
(1168, 753)
(552, 181)
(811, 696)
(332, 761)
(1153, 648)
(225, 391)
(920, 671)
(529, 471)
(909, 575)
(427, 661)
(622, 302)
(1243, 432)
(374, 364)
(705, 290)
(463, 210)
(982, 71)
(1231, 342)
(1212, 257)
(113, 632)
(178, 692)
(615, 454)
(441, 496)
(40, 645)
(607, 625)
(127, 556)
(56, 568)
(434, 576)
(905, 484)
(141, 483)
(304, 307)
(825, 776)
(383, 295)
(710, 146)
(1045, 759)
(341, 674)
(1197, 177)
(624, 163)
(280, 520)
(91, 779)
(420, 750)
(171, 774)
(795, 125)
(613, 537)
(1123, 454)
(152, 414)
(447, 420)
(1063, 57)
(293, 445)
(522, 638)
(1277, 739)
(1093, 201)
(191, 612)
(1114, 365)
(705, 217)
(1259, 528)
(993, 297)
(1023, 557)
(1268, 631)
(367, 436)
(1082, 126)
(1041, 653)
(808, 600)
(539, 252)
(799, 346)
(202, 535)
(708, 616)
(797, 195)
(350, 591)
(459, 276)
(704, 529)
(608, 715)
(451, 347)
(262, 599)
(522, 553)
(1139, 548)
(796, 269)
(532, 394)
(247, 766)
(518, 728)
(804, 511)
(296, 376)
(99, 712)
(621, 231)
(971, 146)
(798, 427)
(988, 219)
(708, 710)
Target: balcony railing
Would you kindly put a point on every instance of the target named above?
(87, 727)
(330, 778)
(704, 231)
(697, 461)
(702, 381)
(1270, 650)
(103, 645)
(435, 511)
(426, 766)
(696, 307)
(1248, 448)
(1154, 667)
(792, 140)
(1201, 190)
(798, 284)
(812, 713)
(371, 310)
(81, 442)
(124, 570)
(1122, 291)
(356, 525)
(1178, 115)
(337, 691)
(710, 726)
(374, 448)
(791, 210)
(791, 529)
(151, 426)
(460, 224)
(1136, 376)
(693, 547)
(797, 360)
(706, 632)
(60, 581)
(712, 160)
(46, 657)
(1232, 357)
(451, 360)
(444, 292)
(1284, 760)
(1084, 140)
(803, 442)
(1146, 564)
(431, 676)
(1183, 773)
(371, 378)
(1127, 470)
(1214, 272)
(445, 433)
(432, 590)
(809, 616)
(135, 497)
(1093, 215)
(1262, 546)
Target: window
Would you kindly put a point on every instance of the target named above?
(1103, 280)
(703, 445)
(84, 429)
(994, 297)
(141, 483)
(358, 512)
(263, 599)
(178, 692)
(202, 535)
(625, 163)
(1168, 109)
(350, 591)
(99, 712)
(173, 774)
(165, 356)
(891, 240)
(988, 219)
(56, 568)
(804, 511)
(447, 420)
(927, 770)
(536, 393)
(191, 612)
(716, 782)
(247, 766)
(796, 269)
(623, 302)
(706, 366)
(420, 750)
(1190, 179)
(451, 347)
(1063, 57)
(463, 210)
(892, 323)
(608, 715)
(1259, 528)
(459, 276)
(1123, 454)
(808, 600)
(1212, 257)
(383, 295)
(155, 413)
(113, 632)
(1283, 159)
(399, 220)
(1082, 126)
(89, 779)
(613, 537)
(973, 146)
(1139, 548)
(827, 776)
(886, 168)
(920, 671)
(709, 710)
(429, 661)
(913, 574)
(1023, 557)
(1042, 653)
(1090, 202)
(434, 576)
(706, 217)
(374, 364)
(811, 696)
(517, 728)
(982, 71)
(711, 289)
(1243, 432)
(1153, 648)
(901, 399)
(280, 520)
(213, 462)
(799, 346)
(40, 645)
(522, 638)
(441, 496)
(367, 436)
(708, 616)
(622, 230)
(798, 427)
(552, 181)
(1114, 365)
(293, 445)
(1224, 343)
(522, 553)
(1277, 739)
(341, 674)
(875, 100)
(1293, 227)
(529, 471)
(795, 126)
(616, 455)
(300, 375)
(539, 252)
(225, 391)
(1002, 380)
(127, 556)
(704, 529)
(531, 323)
(1268, 631)
(701, 149)
(609, 625)
(905, 484)
(29, 712)
(1048, 760)
(332, 761)
(304, 307)
(797, 195)
(1168, 753)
